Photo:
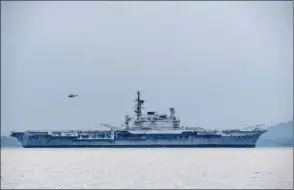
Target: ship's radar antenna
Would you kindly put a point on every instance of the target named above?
(139, 104)
(172, 112)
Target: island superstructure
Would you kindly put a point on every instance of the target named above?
(144, 130)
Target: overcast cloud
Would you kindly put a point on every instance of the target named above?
(220, 64)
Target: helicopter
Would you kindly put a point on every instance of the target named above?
(72, 95)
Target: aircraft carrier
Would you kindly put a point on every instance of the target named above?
(144, 130)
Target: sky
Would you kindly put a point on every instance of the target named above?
(219, 64)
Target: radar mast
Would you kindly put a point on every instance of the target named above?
(139, 104)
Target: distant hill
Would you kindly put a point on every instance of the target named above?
(280, 135)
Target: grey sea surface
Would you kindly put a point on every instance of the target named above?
(270, 168)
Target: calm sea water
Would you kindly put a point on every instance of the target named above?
(147, 168)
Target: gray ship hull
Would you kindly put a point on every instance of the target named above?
(198, 142)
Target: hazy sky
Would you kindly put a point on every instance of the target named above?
(220, 64)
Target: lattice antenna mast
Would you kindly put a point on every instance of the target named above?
(139, 104)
